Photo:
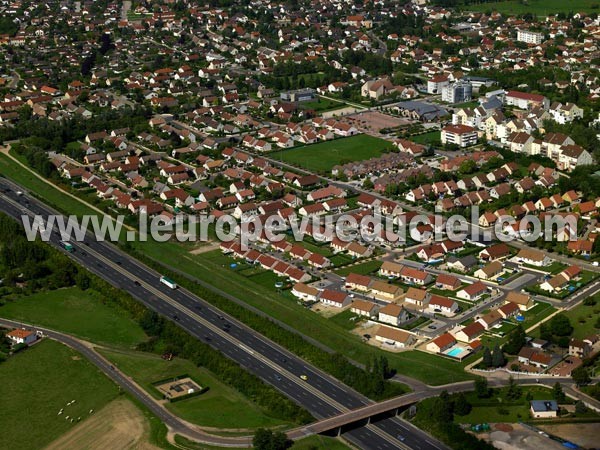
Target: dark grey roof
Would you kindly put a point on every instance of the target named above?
(544, 405)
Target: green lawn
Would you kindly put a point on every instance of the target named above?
(473, 104)
(537, 7)
(220, 407)
(321, 157)
(431, 137)
(583, 318)
(76, 312)
(498, 408)
(322, 104)
(40, 381)
(346, 319)
(361, 269)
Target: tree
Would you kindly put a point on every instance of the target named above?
(268, 440)
(368, 184)
(580, 407)
(513, 392)
(557, 392)
(467, 167)
(462, 407)
(481, 388)
(560, 325)
(516, 341)
(581, 376)
(487, 358)
(442, 408)
(498, 359)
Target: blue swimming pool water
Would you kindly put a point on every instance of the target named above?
(455, 352)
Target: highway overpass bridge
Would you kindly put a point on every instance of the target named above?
(363, 415)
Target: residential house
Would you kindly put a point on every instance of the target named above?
(470, 332)
(364, 309)
(473, 291)
(334, 298)
(394, 337)
(22, 336)
(393, 314)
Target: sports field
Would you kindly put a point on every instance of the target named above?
(323, 156)
(537, 7)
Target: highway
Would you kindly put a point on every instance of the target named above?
(322, 395)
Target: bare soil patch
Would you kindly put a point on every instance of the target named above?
(117, 426)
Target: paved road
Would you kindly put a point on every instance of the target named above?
(320, 394)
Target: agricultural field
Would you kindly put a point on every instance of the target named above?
(537, 7)
(220, 406)
(120, 425)
(43, 379)
(77, 312)
(321, 157)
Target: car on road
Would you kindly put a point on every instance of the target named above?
(400, 438)
(432, 327)
(207, 338)
(221, 318)
(136, 282)
(277, 377)
(175, 317)
(304, 377)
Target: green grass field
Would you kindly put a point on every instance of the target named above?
(76, 312)
(429, 138)
(220, 407)
(322, 104)
(537, 7)
(40, 381)
(583, 318)
(321, 157)
(361, 269)
(346, 319)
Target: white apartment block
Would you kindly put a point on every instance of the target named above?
(530, 37)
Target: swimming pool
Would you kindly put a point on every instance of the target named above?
(455, 352)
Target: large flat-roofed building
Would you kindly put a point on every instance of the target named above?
(457, 92)
(461, 135)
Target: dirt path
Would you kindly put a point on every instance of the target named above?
(209, 247)
(117, 426)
